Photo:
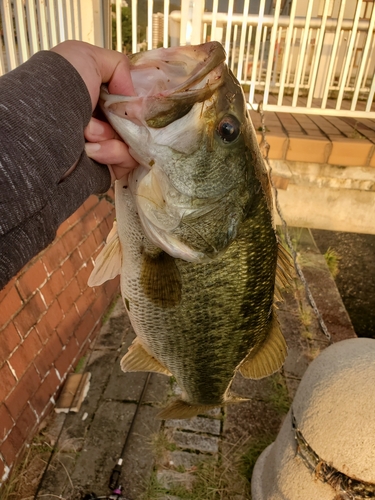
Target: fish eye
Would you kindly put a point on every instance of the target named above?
(229, 129)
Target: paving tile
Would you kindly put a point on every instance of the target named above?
(192, 441)
(183, 459)
(197, 424)
(171, 478)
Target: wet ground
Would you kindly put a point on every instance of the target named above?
(356, 278)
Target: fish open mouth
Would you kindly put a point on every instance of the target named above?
(168, 82)
(174, 126)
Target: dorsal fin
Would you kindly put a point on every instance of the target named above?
(108, 263)
(137, 359)
(269, 357)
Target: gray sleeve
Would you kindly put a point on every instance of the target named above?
(44, 108)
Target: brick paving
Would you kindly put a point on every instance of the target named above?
(318, 139)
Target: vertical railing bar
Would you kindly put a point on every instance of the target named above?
(243, 38)
(234, 42)
(333, 58)
(271, 53)
(134, 26)
(10, 44)
(61, 20)
(76, 20)
(68, 20)
(196, 21)
(249, 33)
(43, 25)
(19, 14)
(274, 75)
(342, 34)
(349, 77)
(364, 59)
(184, 22)
(150, 9)
(286, 53)
(263, 44)
(118, 26)
(51, 12)
(305, 58)
(2, 64)
(215, 7)
(229, 27)
(256, 50)
(349, 54)
(302, 53)
(318, 49)
(346, 45)
(371, 95)
(32, 25)
(314, 57)
(79, 21)
(204, 36)
(165, 24)
(290, 62)
(369, 59)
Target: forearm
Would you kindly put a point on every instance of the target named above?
(44, 109)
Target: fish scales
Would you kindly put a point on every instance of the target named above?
(216, 300)
(195, 242)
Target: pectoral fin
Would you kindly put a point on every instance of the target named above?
(182, 409)
(160, 280)
(108, 263)
(269, 357)
(137, 359)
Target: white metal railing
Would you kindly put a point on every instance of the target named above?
(315, 57)
(299, 56)
(27, 26)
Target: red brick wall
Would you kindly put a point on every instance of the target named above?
(48, 317)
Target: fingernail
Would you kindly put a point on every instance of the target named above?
(91, 148)
(95, 127)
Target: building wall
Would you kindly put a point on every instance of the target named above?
(48, 318)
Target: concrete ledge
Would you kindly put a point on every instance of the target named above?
(310, 149)
(350, 152)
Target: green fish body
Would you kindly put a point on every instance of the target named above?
(194, 240)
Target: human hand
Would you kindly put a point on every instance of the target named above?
(105, 146)
(97, 66)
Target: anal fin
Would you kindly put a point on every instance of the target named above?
(137, 359)
(269, 357)
(284, 268)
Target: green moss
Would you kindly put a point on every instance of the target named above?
(278, 396)
(255, 448)
(108, 312)
(332, 258)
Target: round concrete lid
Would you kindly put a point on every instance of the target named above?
(334, 407)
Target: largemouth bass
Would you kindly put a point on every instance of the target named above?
(194, 239)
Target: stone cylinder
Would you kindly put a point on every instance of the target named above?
(325, 449)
